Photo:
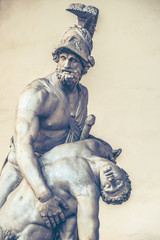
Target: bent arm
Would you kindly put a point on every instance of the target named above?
(26, 130)
(87, 218)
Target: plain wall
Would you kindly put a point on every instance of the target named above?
(123, 89)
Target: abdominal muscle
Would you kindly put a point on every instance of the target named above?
(47, 140)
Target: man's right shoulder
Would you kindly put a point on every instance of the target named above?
(37, 84)
(33, 95)
(35, 88)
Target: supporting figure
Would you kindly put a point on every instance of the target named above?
(51, 111)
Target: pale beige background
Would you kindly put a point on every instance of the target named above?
(123, 86)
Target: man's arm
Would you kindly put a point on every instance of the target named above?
(29, 109)
(27, 126)
(87, 218)
(83, 187)
(26, 129)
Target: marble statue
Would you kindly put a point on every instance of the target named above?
(52, 178)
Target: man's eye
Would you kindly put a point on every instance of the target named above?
(73, 60)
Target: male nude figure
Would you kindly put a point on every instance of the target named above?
(77, 180)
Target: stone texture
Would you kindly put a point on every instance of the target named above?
(123, 88)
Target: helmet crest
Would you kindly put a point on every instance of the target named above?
(78, 39)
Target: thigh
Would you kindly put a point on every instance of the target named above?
(11, 171)
(68, 229)
(36, 232)
(10, 178)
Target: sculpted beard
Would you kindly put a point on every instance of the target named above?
(68, 77)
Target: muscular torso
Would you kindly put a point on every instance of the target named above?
(54, 111)
(86, 148)
(54, 125)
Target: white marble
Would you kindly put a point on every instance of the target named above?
(123, 87)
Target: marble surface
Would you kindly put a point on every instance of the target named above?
(123, 87)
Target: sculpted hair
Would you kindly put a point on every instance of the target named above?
(123, 195)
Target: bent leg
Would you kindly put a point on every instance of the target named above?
(9, 180)
(36, 232)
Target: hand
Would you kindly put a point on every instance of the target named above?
(51, 211)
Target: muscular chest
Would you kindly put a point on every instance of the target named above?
(56, 118)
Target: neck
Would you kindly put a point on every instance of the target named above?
(96, 163)
(69, 89)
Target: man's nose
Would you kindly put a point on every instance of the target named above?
(67, 64)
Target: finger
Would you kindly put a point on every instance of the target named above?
(52, 222)
(47, 222)
(64, 204)
(61, 216)
(56, 218)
